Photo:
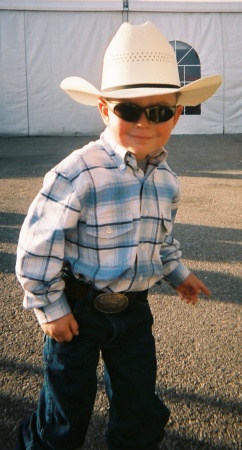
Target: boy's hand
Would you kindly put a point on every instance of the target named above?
(63, 329)
(190, 288)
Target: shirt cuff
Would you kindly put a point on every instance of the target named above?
(54, 311)
(177, 276)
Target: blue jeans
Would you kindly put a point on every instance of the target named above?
(137, 416)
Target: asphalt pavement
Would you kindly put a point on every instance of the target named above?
(198, 348)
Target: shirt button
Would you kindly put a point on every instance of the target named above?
(122, 166)
(108, 230)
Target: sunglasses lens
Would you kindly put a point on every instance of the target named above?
(127, 111)
(155, 114)
(160, 114)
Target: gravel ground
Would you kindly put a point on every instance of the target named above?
(198, 348)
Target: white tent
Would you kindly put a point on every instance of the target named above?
(44, 41)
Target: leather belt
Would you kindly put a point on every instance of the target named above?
(103, 301)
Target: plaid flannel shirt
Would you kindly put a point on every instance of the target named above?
(111, 223)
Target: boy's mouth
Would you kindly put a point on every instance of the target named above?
(141, 136)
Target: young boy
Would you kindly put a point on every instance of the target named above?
(96, 238)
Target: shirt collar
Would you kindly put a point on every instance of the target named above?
(158, 157)
(119, 150)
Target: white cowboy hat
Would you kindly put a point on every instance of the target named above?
(140, 62)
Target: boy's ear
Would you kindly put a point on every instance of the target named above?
(102, 106)
(176, 117)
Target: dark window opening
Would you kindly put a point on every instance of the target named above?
(189, 68)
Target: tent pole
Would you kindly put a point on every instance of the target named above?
(125, 10)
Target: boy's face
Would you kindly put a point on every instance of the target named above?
(142, 138)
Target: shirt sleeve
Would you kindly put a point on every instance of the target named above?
(174, 271)
(41, 247)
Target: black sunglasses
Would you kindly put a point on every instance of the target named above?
(131, 113)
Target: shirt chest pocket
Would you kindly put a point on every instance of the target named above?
(110, 229)
(109, 240)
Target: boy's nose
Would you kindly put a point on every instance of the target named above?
(143, 120)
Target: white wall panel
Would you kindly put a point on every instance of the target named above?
(232, 57)
(13, 92)
(60, 45)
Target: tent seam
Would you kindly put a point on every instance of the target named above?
(222, 38)
(26, 71)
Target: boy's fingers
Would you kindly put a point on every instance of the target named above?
(63, 337)
(204, 289)
(63, 329)
(68, 336)
(74, 327)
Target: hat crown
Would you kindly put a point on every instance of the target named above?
(139, 55)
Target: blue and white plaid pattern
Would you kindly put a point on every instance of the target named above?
(111, 223)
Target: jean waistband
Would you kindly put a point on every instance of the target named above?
(103, 301)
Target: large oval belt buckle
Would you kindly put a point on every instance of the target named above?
(111, 303)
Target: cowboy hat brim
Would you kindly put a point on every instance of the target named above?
(192, 94)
